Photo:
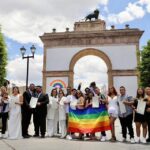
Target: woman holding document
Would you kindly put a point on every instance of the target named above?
(139, 107)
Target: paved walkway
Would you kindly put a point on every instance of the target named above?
(57, 144)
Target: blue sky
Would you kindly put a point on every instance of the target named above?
(24, 21)
(114, 6)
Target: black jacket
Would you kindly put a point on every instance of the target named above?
(43, 100)
(26, 99)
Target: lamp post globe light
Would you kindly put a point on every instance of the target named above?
(23, 51)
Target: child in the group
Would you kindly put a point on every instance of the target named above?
(4, 112)
(62, 113)
(52, 113)
(140, 119)
(126, 114)
(112, 101)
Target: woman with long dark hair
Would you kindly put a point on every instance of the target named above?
(112, 101)
(52, 113)
(62, 100)
(140, 119)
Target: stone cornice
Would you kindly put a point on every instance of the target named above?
(115, 36)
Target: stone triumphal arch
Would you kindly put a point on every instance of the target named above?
(117, 47)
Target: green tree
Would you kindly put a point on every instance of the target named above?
(3, 59)
(144, 67)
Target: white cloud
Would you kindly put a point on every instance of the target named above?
(25, 20)
(16, 70)
(146, 3)
(132, 11)
(89, 69)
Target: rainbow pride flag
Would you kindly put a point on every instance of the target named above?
(89, 120)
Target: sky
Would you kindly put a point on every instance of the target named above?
(22, 22)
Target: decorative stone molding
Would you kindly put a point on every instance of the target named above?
(90, 34)
(105, 37)
(97, 53)
(124, 73)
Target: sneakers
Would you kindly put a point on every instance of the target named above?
(113, 139)
(132, 140)
(69, 137)
(124, 140)
(137, 140)
(62, 137)
(4, 136)
(143, 140)
(103, 139)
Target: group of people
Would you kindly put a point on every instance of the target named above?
(52, 111)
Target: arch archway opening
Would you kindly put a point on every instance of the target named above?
(91, 68)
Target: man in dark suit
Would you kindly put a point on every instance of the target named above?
(40, 112)
(26, 110)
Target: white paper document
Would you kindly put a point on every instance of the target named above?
(33, 102)
(122, 107)
(95, 102)
(141, 107)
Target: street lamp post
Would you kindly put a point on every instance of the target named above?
(23, 51)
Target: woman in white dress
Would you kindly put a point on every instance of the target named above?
(52, 113)
(62, 100)
(112, 101)
(14, 122)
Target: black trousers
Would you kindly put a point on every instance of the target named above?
(4, 117)
(103, 133)
(148, 123)
(26, 118)
(39, 120)
(126, 123)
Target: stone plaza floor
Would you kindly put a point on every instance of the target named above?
(63, 144)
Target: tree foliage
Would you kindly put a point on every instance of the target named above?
(3, 59)
(144, 67)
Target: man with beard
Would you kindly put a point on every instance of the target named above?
(40, 112)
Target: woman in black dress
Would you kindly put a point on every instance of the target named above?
(140, 118)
